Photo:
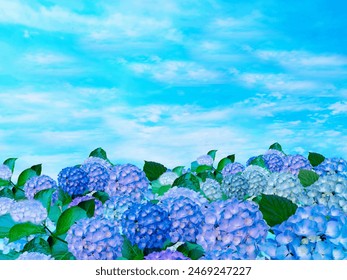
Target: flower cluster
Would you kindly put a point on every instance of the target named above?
(73, 180)
(166, 255)
(28, 211)
(38, 183)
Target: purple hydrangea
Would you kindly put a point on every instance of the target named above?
(186, 218)
(232, 168)
(38, 183)
(166, 255)
(98, 160)
(294, 163)
(146, 225)
(176, 192)
(73, 180)
(274, 160)
(128, 180)
(95, 239)
(98, 176)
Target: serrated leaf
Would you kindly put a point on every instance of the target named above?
(23, 230)
(37, 168)
(191, 250)
(153, 170)
(212, 154)
(38, 245)
(68, 218)
(259, 161)
(131, 252)
(178, 170)
(100, 153)
(203, 168)
(102, 196)
(88, 206)
(10, 162)
(276, 146)
(315, 158)
(188, 181)
(25, 175)
(276, 209)
(223, 162)
(307, 177)
(45, 197)
(6, 223)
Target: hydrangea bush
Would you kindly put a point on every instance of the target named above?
(274, 206)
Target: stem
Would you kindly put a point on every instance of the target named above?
(52, 234)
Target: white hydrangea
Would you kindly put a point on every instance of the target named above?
(167, 178)
(205, 160)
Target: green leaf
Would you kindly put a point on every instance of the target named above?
(188, 181)
(223, 162)
(231, 157)
(6, 192)
(37, 168)
(4, 183)
(38, 245)
(25, 176)
(315, 159)
(63, 197)
(100, 153)
(12, 255)
(18, 193)
(205, 175)
(258, 161)
(54, 213)
(60, 249)
(6, 223)
(45, 197)
(10, 162)
(193, 166)
(212, 154)
(68, 218)
(102, 196)
(131, 252)
(163, 189)
(153, 170)
(191, 250)
(202, 168)
(276, 209)
(88, 206)
(307, 177)
(276, 146)
(24, 229)
(178, 170)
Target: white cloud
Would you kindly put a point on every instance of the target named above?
(338, 108)
(43, 58)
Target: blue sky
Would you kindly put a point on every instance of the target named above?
(168, 81)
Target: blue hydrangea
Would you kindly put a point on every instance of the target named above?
(257, 179)
(98, 160)
(332, 166)
(98, 204)
(232, 168)
(186, 218)
(127, 180)
(167, 178)
(212, 189)
(294, 163)
(5, 172)
(38, 183)
(234, 228)
(95, 239)
(6, 246)
(28, 211)
(274, 160)
(205, 160)
(329, 190)
(34, 256)
(248, 162)
(98, 176)
(176, 192)
(5, 205)
(313, 232)
(73, 180)
(285, 185)
(115, 206)
(166, 255)
(235, 185)
(146, 225)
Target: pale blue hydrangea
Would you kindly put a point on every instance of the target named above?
(98, 160)
(332, 166)
(38, 183)
(5, 205)
(115, 206)
(257, 178)
(6, 246)
(34, 256)
(232, 168)
(28, 211)
(235, 185)
(176, 192)
(205, 160)
(212, 189)
(167, 178)
(5, 172)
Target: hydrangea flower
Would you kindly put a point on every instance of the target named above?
(235, 185)
(73, 180)
(212, 189)
(257, 179)
(294, 163)
(38, 183)
(6, 246)
(115, 206)
(5, 172)
(285, 185)
(205, 160)
(98, 204)
(234, 228)
(167, 178)
(146, 225)
(98, 176)
(28, 211)
(329, 190)
(34, 256)
(176, 192)
(232, 168)
(313, 232)
(166, 255)
(5, 205)
(98, 160)
(186, 218)
(95, 239)
(274, 160)
(331, 166)
(127, 179)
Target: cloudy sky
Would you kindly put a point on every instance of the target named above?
(169, 80)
